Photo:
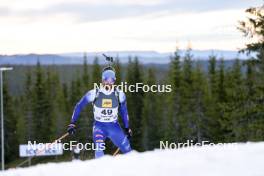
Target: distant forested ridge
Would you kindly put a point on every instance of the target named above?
(145, 57)
(69, 72)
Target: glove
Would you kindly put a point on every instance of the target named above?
(71, 128)
(128, 132)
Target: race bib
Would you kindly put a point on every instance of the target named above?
(105, 114)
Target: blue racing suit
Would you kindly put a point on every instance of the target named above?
(106, 105)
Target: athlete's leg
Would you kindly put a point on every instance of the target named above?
(117, 136)
(98, 138)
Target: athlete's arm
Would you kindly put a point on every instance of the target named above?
(123, 109)
(86, 99)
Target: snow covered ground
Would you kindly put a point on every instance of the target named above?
(242, 160)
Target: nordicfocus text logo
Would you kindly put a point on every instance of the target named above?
(125, 87)
(191, 143)
(65, 146)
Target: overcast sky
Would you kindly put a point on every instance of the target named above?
(60, 26)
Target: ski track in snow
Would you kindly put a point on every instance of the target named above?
(242, 160)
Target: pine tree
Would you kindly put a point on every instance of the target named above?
(233, 109)
(26, 126)
(187, 119)
(87, 114)
(251, 123)
(135, 103)
(200, 91)
(10, 122)
(151, 116)
(76, 95)
(253, 28)
(58, 113)
(211, 98)
(41, 108)
(172, 113)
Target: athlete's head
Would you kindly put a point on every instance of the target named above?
(108, 76)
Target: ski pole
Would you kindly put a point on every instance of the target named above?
(38, 152)
(55, 141)
(116, 152)
(62, 137)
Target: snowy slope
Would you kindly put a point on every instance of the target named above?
(242, 160)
